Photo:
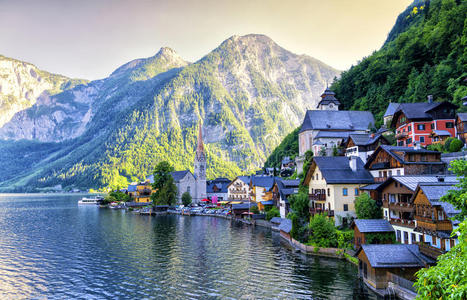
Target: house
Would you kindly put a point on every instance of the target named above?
(143, 192)
(281, 190)
(185, 182)
(334, 182)
(287, 167)
(372, 231)
(433, 217)
(285, 228)
(324, 129)
(242, 209)
(239, 189)
(461, 126)
(363, 144)
(396, 196)
(261, 190)
(424, 122)
(390, 110)
(132, 189)
(389, 161)
(218, 188)
(377, 264)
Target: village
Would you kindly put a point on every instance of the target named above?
(401, 168)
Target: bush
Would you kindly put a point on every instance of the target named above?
(323, 232)
(273, 212)
(345, 239)
(186, 198)
(456, 145)
(366, 208)
(254, 209)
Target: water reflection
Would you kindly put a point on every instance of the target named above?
(51, 247)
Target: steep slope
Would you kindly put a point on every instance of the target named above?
(425, 56)
(21, 84)
(65, 115)
(248, 93)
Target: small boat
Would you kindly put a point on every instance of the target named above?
(93, 201)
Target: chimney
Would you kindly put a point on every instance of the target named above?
(353, 163)
(416, 145)
(430, 98)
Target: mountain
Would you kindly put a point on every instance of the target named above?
(425, 54)
(248, 93)
(22, 84)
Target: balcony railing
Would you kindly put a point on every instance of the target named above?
(401, 206)
(402, 222)
(429, 250)
(401, 135)
(329, 213)
(317, 197)
(433, 225)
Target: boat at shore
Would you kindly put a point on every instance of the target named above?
(90, 201)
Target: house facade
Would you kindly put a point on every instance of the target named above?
(424, 123)
(389, 161)
(281, 190)
(218, 188)
(363, 145)
(334, 182)
(239, 189)
(461, 126)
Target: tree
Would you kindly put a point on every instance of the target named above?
(323, 232)
(456, 145)
(186, 199)
(166, 190)
(335, 152)
(366, 208)
(273, 212)
(448, 279)
(299, 204)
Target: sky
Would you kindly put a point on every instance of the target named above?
(90, 38)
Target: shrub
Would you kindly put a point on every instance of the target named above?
(254, 209)
(366, 208)
(273, 212)
(186, 198)
(323, 232)
(345, 239)
(456, 145)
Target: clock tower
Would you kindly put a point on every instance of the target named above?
(200, 169)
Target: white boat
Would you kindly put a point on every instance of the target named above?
(92, 201)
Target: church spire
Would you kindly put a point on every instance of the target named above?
(200, 147)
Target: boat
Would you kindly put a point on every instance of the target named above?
(90, 201)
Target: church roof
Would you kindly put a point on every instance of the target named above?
(328, 97)
(337, 120)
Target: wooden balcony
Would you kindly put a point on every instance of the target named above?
(433, 225)
(403, 222)
(317, 197)
(380, 179)
(402, 206)
(402, 135)
(314, 211)
(429, 250)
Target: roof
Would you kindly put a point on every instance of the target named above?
(132, 188)
(220, 183)
(462, 116)
(442, 132)
(391, 150)
(365, 139)
(392, 107)
(371, 187)
(419, 111)
(245, 179)
(243, 205)
(332, 134)
(263, 181)
(286, 225)
(393, 255)
(276, 220)
(179, 175)
(328, 97)
(336, 169)
(373, 225)
(337, 120)
(411, 181)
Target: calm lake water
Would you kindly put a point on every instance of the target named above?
(50, 247)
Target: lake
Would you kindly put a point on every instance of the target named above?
(50, 247)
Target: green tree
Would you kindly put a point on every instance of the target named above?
(186, 199)
(448, 279)
(254, 209)
(456, 145)
(299, 204)
(323, 232)
(166, 190)
(273, 212)
(366, 208)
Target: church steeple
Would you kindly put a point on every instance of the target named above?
(328, 101)
(200, 167)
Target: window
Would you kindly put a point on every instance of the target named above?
(409, 141)
(422, 139)
(413, 237)
(395, 183)
(390, 173)
(401, 143)
(421, 126)
(432, 126)
(356, 192)
(406, 237)
(385, 213)
(329, 192)
(449, 125)
(344, 192)
(346, 207)
(409, 128)
(398, 235)
(398, 172)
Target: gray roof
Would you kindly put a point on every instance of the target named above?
(391, 150)
(337, 120)
(245, 179)
(392, 107)
(263, 181)
(276, 220)
(442, 132)
(393, 256)
(290, 182)
(220, 183)
(332, 134)
(373, 225)
(286, 226)
(243, 205)
(364, 139)
(336, 169)
(179, 175)
(462, 116)
(412, 181)
(419, 110)
(371, 187)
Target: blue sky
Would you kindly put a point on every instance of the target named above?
(90, 38)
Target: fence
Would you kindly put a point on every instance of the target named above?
(400, 281)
